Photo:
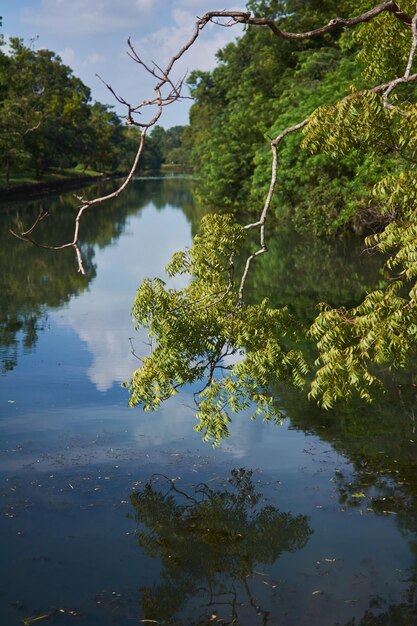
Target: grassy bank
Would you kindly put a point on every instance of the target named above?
(27, 177)
(23, 185)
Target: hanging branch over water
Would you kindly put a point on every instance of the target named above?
(175, 92)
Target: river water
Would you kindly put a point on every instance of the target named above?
(114, 516)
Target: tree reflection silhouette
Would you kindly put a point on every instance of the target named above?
(33, 279)
(210, 543)
(379, 440)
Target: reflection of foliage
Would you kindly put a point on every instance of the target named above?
(382, 449)
(34, 279)
(210, 542)
(200, 326)
(379, 440)
(32, 282)
(300, 271)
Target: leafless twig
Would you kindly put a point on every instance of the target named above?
(261, 222)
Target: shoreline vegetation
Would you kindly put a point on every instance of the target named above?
(53, 136)
(53, 182)
(25, 187)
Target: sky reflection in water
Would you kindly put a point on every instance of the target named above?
(73, 456)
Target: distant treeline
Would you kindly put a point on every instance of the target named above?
(47, 120)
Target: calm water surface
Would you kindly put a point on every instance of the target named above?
(114, 516)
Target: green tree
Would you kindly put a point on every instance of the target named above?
(55, 100)
(47, 120)
(105, 139)
(237, 105)
(14, 119)
(152, 156)
(52, 109)
(169, 143)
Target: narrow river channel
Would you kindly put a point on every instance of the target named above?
(113, 516)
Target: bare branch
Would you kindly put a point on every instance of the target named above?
(114, 94)
(413, 47)
(133, 351)
(25, 235)
(334, 24)
(33, 128)
(261, 222)
(407, 77)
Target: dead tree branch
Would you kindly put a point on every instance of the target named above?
(261, 222)
(241, 17)
(407, 77)
(26, 235)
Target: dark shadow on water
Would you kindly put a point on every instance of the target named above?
(380, 442)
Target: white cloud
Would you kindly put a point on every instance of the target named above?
(149, 241)
(92, 37)
(202, 6)
(68, 56)
(82, 17)
(95, 58)
(164, 43)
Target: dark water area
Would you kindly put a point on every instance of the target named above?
(109, 515)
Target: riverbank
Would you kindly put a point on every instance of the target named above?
(67, 181)
(30, 190)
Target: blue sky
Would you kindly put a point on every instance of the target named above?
(91, 35)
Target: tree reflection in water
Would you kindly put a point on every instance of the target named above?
(34, 280)
(210, 543)
(404, 614)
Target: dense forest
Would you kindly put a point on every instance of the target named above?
(263, 84)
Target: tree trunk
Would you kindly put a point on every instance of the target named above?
(7, 171)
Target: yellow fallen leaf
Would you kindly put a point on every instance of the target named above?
(35, 618)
